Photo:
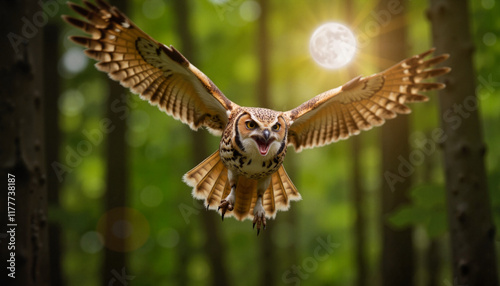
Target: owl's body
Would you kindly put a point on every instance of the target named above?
(245, 177)
(252, 149)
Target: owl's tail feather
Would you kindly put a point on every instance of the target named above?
(210, 183)
(279, 194)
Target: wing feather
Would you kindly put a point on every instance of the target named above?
(363, 102)
(158, 73)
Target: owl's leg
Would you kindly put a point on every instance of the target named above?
(228, 202)
(259, 213)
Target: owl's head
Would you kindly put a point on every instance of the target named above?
(262, 131)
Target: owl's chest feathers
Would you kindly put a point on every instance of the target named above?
(250, 165)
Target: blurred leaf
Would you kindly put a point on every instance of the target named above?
(428, 195)
(428, 209)
(437, 223)
(408, 215)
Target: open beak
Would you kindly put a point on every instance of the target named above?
(264, 142)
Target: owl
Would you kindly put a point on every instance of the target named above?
(245, 177)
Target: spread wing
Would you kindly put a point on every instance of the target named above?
(363, 102)
(160, 74)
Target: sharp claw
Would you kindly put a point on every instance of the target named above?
(218, 208)
(264, 226)
(258, 231)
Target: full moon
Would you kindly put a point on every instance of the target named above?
(332, 45)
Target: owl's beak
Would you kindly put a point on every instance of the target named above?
(266, 134)
(263, 142)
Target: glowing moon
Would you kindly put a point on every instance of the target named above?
(332, 45)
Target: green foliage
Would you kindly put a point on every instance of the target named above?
(428, 208)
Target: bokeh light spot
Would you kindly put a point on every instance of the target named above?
(198, 267)
(250, 11)
(123, 229)
(74, 60)
(488, 4)
(489, 39)
(151, 196)
(168, 238)
(219, 2)
(71, 102)
(91, 242)
(153, 9)
(135, 139)
(139, 120)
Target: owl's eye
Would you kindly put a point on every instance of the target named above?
(276, 127)
(250, 124)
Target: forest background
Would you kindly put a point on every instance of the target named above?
(111, 157)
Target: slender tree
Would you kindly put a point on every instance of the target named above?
(52, 144)
(214, 245)
(397, 259)
(433, 260)
(117, 185)
(291, 163)
(472, 232)
(357, 188)
(23, 200)
(268, 261)
(263, 55)
(359, 223)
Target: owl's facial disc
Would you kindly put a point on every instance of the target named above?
(261, 135)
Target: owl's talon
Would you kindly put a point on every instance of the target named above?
(225, 206)
(259, 218)
(259, 221)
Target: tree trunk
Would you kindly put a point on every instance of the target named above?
(397, 245)
(357, 189)
(472, 232)
(359, 223)
(433, 261)
(116, 195)
(215, 250)
(52, 145)
(24, 243)
(263, 56)
(267, 257)
(117, 187)
(292, 165)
